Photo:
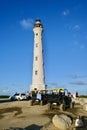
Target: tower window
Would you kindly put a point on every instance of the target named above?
(36, 58)
(36, 44)
(36, 72)
(36, 34)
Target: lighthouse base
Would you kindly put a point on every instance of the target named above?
(37, 87)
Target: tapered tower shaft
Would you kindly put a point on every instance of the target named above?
(38, 80)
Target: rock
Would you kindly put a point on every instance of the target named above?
(61, 122)
(79, 122)
(83, 101)
(85, 107)
(66, 118)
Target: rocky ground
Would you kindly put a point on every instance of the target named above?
(19, 115)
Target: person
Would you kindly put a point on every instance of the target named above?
(69, 96)
(33, 94)
(76, 94)
(38, 96)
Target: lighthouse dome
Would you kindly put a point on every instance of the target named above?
(38, 23)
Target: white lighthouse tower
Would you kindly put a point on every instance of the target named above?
(38, 80)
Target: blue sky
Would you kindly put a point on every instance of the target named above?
(64, 43)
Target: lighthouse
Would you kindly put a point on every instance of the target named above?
(38, 77)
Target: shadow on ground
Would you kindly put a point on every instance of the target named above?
(11, 109)
(31, 127)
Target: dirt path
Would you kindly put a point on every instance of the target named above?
(21, 116)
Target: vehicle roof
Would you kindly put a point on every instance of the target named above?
(51, 90)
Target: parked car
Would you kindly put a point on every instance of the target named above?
(23, 96)
(19, 97)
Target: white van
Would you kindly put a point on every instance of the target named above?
(19, 96)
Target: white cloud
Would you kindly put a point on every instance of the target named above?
(26, 23)
(73, 27)
(82, 46)
(76, 43)
(75, 76)
(76, 27)
(6, 91)
(79, 45)
(66, 12)
(86, 37)
(78, 83)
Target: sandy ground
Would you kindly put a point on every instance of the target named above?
(19, 115)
